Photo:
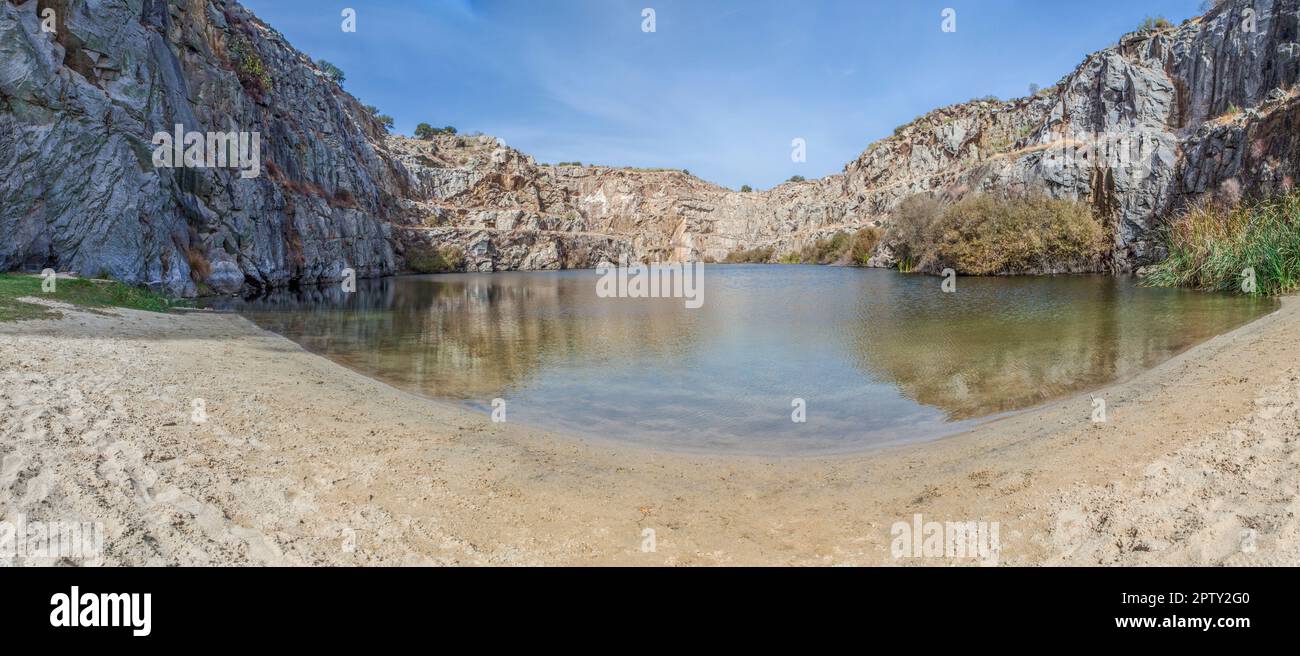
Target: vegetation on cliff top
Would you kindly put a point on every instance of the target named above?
(73, 291)
(1217, 248)
(428, 132)
(384, 119)
(331, 71)
(1153, 23)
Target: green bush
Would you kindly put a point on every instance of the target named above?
(428, 132)
(1211, 247)
(744, 189)
(331, 71)
(796, 178)
(434, 259)
(385, 120)
(249, 67)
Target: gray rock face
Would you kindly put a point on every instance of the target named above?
(1120, 132)
(1137, 130)
(79, 189)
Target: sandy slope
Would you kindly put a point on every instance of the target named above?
(301, 461)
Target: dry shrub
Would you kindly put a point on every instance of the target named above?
(991, 235)
(750, 256)
(343, 199)
(911, 229)
(864, 245)
(841, 248)
(200, 268)
(435, 259)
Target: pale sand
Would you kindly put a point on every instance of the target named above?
(304, 462)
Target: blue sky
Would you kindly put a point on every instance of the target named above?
(720, 88)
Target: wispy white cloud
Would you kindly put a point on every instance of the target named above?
(720, 88)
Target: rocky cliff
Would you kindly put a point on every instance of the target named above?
(80, 190)
(1137, 130)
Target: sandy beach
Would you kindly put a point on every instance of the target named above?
(299, 461)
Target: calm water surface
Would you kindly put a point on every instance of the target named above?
(879, 357)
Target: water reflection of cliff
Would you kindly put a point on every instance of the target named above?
(1004, 344)
(879, 355)
(473, 336)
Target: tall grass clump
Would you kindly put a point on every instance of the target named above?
(1212, 248)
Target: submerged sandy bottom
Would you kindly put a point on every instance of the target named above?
(303, 462)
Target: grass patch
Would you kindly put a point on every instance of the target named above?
(1212, 247)
(434, 259)
(1229, 115)
(74, 291)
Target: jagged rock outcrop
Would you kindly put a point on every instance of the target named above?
(79, 190)
(486, 198)
(1137, 130)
